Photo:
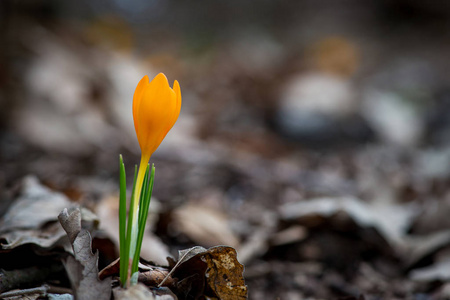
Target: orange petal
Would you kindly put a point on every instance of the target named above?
(137, 98)
(156, 107)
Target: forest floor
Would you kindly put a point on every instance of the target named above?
(321, 165)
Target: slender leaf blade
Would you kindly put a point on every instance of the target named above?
(122, 222)
(144, 214)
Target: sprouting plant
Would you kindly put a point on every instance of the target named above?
(156, 107)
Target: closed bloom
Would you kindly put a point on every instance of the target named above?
(156, 107)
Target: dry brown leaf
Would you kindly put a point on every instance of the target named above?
(224, 274)
(82, 268)
(215, 270)
(187, 254)
(154, 276)
(40, 240)
(30, 218)
(112, 269)
(35, 206)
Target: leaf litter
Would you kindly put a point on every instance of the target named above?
(282, 189)
(199, 273)
(30, 229)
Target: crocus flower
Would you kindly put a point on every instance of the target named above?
(156, 107)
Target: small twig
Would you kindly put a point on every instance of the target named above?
(42, 290)
(176, 265)
(59, 290)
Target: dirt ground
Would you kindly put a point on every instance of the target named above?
(314, 139)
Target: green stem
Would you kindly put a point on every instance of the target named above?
(143, 214)
(133, 214)
(127, 256)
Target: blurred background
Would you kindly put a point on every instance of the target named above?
(313, 137)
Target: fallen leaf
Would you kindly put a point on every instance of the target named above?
(391, 221)
(110, 270)
(32, 219)
(224, 274)
(35, 206)
(204, 225)
(82, 267)
(218, 267)
(187, 254)
(154, 276)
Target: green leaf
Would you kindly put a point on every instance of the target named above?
(122, 223)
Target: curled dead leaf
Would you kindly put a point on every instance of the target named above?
(31, 219)
(82, 268)
(224, 273)
(215, 270)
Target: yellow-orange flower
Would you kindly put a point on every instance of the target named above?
(156, 107)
